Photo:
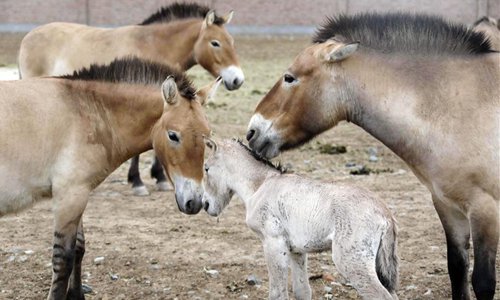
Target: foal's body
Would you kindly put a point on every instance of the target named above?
(294, 216)
(61, 137)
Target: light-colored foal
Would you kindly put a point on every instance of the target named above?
(294, 216)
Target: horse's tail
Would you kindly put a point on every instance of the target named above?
(387, 261)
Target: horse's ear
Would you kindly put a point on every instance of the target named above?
(209, 19)
(211, 144)
(207, 93)
(169, 90)
(342, 52)
(227, 18)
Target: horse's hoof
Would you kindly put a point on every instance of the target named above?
(140, 191)
(164, 186)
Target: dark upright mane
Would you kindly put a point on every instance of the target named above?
(402, 32)
(259, 158)
(134, 70)
(178, 11)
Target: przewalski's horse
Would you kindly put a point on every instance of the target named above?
(181, 35)
(294, 216)
(491, 28)
(62, 136)
(425, 88)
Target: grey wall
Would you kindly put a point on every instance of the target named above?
(250, 14)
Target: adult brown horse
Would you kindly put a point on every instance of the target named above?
(181, 35)
(425, 88)
(62, 136)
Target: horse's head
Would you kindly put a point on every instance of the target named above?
(309, 99)
(178, 142)
(217, 192)
(214, 51)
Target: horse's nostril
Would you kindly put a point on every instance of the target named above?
(250, 134)
(189, 205)
(205, 206)
(236, 82)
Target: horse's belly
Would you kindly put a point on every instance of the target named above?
(314, 243)
(18, 193)
(307, 239)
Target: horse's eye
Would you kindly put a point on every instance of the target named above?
(215, 43)
(206, 168)
(288, 78)
(173, 136)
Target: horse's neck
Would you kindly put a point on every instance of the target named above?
(249, 175)
(387, 106)
(170, 42)
(119, 116)
(423, 110)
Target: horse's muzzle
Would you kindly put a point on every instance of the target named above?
(188, 195)
(192, 207)
(233, 77)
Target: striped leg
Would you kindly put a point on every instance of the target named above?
(69, 207)
(63, 257)
(75, 282)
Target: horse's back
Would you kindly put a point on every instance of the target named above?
(58, 49)
(32, 113)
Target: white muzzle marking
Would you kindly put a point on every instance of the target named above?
(188, 195)
(266, 141)
(233, 77)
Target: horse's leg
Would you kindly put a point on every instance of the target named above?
(358, 266)
(134, 177)
(276, 253)
(75, 282)
(300, 280)
(161, 179)
(484, 219)
(69, 206)
(457, 231)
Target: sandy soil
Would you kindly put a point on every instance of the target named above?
(152, 251)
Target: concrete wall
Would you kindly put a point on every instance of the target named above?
(249, 13)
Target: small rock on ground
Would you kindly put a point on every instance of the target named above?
(253, 280)
(98, 260)
(86, 288)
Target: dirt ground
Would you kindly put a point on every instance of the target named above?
(152, 251)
